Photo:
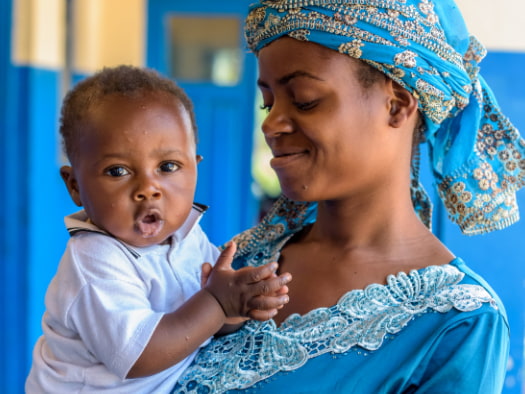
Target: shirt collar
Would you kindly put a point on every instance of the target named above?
(79, 222)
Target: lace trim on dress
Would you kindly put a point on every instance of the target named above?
(361, 318)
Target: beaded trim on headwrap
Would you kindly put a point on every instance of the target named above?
(477, 155)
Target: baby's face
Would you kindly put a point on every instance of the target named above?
(136, 167)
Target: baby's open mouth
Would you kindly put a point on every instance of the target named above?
(149, 223)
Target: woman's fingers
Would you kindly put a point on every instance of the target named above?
(205, 273)
(268, 302)
(272, 285)
(262, 315)
(261, 274)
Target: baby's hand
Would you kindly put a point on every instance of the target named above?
(255, 292)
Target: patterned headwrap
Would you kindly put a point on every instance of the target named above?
(477, 155)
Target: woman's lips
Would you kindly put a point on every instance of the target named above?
(284, 159)
(149, 223)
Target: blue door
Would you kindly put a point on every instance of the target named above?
(200, 45)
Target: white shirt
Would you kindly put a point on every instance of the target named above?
(104, 304)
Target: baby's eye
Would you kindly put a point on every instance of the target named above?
(169, 166)
(116, 171)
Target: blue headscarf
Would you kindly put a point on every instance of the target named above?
(477, 155)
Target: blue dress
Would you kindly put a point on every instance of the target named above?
(440, 329)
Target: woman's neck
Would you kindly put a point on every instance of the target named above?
(386, 229)
(366, 221)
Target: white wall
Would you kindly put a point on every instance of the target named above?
(499, 25)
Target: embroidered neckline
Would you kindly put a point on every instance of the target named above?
(362, 318)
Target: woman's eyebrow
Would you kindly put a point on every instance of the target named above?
(288, 77)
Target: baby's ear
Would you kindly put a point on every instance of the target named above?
(199, 158)
(66, 172)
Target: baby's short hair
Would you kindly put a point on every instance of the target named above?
(124, 80)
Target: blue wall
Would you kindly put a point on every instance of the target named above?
(499, 256)
(13, 223)
(32, 205)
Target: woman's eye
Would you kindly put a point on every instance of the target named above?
(116, 171)
(304, 106)
(265, 107)
(169, 166)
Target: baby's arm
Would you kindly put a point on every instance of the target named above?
(227, 293)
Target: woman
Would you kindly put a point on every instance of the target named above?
(377, 303)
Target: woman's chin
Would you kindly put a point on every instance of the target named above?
(299, 194)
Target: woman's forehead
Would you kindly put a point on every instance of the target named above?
(287, 57)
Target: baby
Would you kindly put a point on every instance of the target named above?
(131, 301)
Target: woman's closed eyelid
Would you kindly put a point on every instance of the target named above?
(303, 106)
(306, 105)
(265, 107)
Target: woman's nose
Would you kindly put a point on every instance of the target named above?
(147, 189)
(277, 122)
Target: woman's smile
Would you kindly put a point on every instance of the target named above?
(283, 159)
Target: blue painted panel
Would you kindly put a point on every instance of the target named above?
(31, 213)
(14, 227)
(13, 221)
(32, 204)
(225, 118)
(505, 73)
(502, 258)
(49, 201)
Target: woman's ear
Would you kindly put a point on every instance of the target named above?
(66, 172)
(403, 106)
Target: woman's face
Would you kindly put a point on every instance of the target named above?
(329, 136)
